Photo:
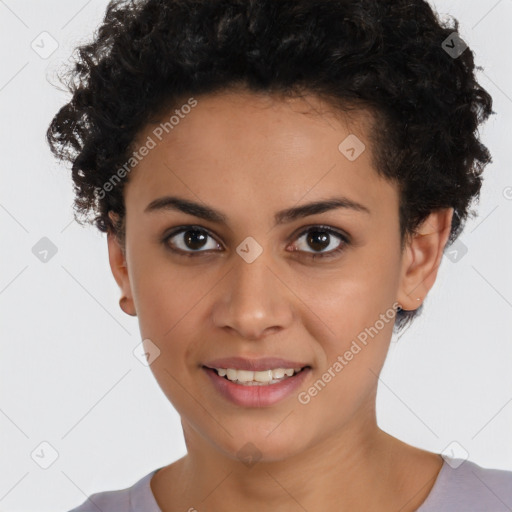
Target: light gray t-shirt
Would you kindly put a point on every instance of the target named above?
(461, 486)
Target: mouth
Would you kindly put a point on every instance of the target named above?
(256, 383)
(266, 377)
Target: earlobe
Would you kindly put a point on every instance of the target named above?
(422, 258)
(127, 306)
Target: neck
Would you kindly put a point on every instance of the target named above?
(357, 468)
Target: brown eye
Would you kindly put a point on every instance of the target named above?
(190, 240)
(318, 242)
(324, 242)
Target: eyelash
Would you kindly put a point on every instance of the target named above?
(324, 229)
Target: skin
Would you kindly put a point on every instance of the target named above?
(249, 156)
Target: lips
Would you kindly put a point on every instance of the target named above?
(255, 365)
(256, 395)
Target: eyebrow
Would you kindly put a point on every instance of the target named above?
(173, 203)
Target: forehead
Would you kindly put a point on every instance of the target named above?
(244, 150)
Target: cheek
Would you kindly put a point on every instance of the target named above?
(351, 314)
(165, 296)
(351, 359)
(169, 300)
(346, 301)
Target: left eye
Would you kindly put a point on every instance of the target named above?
(319, 238)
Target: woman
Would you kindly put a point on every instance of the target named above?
(278, 182)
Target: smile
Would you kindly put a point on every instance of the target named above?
(257, 378)
(261, 388)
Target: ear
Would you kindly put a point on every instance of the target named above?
(118, 265)
(422, 257)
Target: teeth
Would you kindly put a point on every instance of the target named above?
(278, 373)
(231, 374)
(251, 378)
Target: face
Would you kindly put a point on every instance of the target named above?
(265, 276)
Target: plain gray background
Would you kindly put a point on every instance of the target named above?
(70, 379)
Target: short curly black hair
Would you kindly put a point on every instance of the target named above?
(394, 58)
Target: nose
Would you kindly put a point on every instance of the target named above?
(254, 300)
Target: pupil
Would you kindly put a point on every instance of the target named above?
(321, 240)
(193, 237)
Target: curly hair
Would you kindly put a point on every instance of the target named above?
(389, 57)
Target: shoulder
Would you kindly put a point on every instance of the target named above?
(134, 498)
(108, 501)
(466, 486)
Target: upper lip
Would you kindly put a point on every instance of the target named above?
(255, 365)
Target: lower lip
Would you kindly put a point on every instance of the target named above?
(256, 396)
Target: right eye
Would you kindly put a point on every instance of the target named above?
(189, 240)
